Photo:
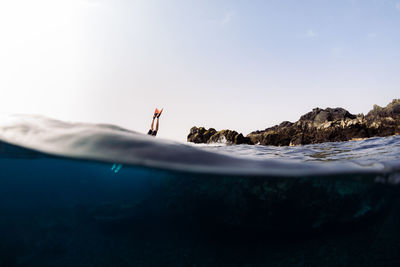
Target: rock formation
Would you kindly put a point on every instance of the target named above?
(317, 126)
(201, 135)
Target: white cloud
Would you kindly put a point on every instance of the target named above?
(227, 18)
(398, 6)
(311, 34)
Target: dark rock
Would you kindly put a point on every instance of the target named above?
(201, 135)
(317, 126)
(196, 135)
(240, 139)
(208, 133)
(330, 114)
(332, 125)
(286, 124)
(391, 110)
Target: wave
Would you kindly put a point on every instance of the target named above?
(66, 201)
(114, 144)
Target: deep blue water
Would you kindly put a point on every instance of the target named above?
(98, 195)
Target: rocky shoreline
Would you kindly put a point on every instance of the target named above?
(317, 126)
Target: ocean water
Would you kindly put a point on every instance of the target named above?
(75, 194)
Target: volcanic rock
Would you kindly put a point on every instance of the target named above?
(201, 135)
(317, 126)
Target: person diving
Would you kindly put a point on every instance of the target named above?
(116, 167)
(157, 114)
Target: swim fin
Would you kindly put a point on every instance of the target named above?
(159, 113)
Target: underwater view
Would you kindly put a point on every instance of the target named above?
(180, 133)
(75, 194)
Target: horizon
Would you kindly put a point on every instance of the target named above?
(225, 65)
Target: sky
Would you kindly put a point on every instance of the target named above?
(242, 65)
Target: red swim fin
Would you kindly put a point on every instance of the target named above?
(156, 111)
(159, 112)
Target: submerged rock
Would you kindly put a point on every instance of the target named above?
(317, 126)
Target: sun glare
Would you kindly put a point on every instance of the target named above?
(37, 48)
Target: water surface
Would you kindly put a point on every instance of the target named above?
(74, 194)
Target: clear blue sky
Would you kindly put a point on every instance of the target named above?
(243, 65)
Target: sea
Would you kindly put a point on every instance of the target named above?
(81, 194)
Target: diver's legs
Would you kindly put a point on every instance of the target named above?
(157, 124)
(152, 123)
